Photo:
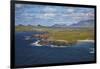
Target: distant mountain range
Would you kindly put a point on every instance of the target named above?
(59, 25)
(85, 23)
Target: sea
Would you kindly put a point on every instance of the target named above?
(27, 54)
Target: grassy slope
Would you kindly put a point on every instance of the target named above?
(68, 34)
(23, 28)
(72, 35)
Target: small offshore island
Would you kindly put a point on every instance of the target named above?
(57, 37)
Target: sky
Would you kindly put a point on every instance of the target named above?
(47, 15)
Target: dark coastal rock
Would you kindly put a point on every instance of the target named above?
(41, 36)
(44, 40)
(56, 42)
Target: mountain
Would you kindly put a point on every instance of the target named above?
(85, 23)
(59, 25)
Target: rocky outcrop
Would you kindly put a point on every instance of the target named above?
(44, 40)
(56, 42)
(41, 36)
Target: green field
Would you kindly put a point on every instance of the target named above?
(68, 34)
(72, 35)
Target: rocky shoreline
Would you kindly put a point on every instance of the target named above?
(44, 40)
(55, 43)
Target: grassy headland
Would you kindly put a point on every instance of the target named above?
(68, 34)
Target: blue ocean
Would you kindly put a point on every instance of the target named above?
(27, 54)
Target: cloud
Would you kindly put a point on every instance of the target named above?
(18, 5)
(70, 10)
(51, 14)
(45, 15)
(49, 9)
(76, 14)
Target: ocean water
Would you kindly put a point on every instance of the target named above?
(27, 54)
